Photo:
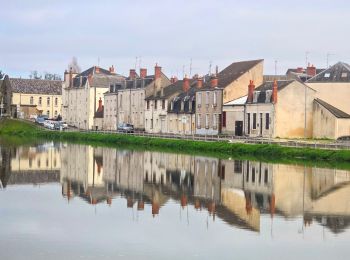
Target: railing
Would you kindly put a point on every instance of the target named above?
(224, 138)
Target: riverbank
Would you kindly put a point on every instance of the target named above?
(268, 152)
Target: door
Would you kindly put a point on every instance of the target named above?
(239, 128)
(261, 122)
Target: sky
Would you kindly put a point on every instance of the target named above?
(44, 35)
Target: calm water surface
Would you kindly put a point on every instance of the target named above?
(69, 201)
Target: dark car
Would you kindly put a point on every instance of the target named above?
(125, 128)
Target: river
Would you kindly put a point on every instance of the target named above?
(74, 201)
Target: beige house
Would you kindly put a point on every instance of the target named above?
(82, 92)
(27, 98)
(156, 107)
(274, 109)
(209, 108)
(329, 121)
(125, 101)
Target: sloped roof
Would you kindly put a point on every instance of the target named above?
(233, 72)
(335, 111)
(238, 101)
(339, 72)
(263, 93)
(187, 98)
(168, 91)
(36, 86)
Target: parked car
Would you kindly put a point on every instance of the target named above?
(345, 138)
(60, 125)
(41, 119)
(49, 124)
(125, 128)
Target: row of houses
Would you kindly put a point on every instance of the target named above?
(239, 100)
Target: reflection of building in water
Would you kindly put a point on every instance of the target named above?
(19, 165)
(238, 192)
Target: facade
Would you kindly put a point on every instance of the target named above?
(27, 98)
(157, 106)
(125, 102)
(333, 86)
(329, 122)
(182, 109)
(209, 109)
(82, 92)
(233, 116)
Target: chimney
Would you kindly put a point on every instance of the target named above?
(199, 82)
(132, 74)
(274, 92)
(97, 69)
(157, 72)
(311, 70)
(70, 77)
(143, 73)
(185, 84)
(99, 105)
(300, 70)
(214, 82)
(173, 79)
(111, 69)
(251, 88)
(90, 79)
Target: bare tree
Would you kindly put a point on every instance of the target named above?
(35, 75)
(74, 65)
(1, 74)
(51, 76)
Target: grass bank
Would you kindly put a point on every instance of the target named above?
(263, 152)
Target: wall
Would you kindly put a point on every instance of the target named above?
(110, 113)
(261, 110)
(52, 109)
(336, 94)
(239, 87)
(181, 123)
(157, 115)
(203, 108)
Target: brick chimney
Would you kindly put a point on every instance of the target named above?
(199, 82)
(251, 88)
(97, 69)
(300, 70)
(311, 70)
(70, 77)
(99, 105)
(132, 74)
(90, 79)
(185, 84)
(274, 92)
(111, 69)
(214, 81)
(157, 72)
(143, 73)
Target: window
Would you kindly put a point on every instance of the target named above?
(48, 101)
(31, 100)
(248, 123)
(199, 99)
(214, 121)
(214, 98)
(327, 75)
(147, 104)
(182, 105)
(207, 98)
(266, 177)
(163, 104)
(48, 113)
(237, 166)
(40, 101)
(55, 112)
(56, 101)
(267, 121)
(253, 174)
(254, 121)
(198, 121)
(207, 121)
(344, 74)
(224, 119)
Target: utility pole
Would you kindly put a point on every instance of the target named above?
(306, 58)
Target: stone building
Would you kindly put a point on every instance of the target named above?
(27, 98)
(82, 92)
(125, 101)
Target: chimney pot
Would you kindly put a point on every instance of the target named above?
(251, 88)
(311, 71)
(199, 82)
(186, 84)
(274, 92)
(132, 74)
(111, 69)
(214, 82)
(97, 69)
(157, 72)
(143, 73)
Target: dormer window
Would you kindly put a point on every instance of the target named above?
(182, 105)
(255, 96)
(327, 75)
(344, 75)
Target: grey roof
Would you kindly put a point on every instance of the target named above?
(233, 72)
(339, 72)
(102, 79)
(263, 93)
(168, 91)
(335, 111)
(187, 98)
(36, 86)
